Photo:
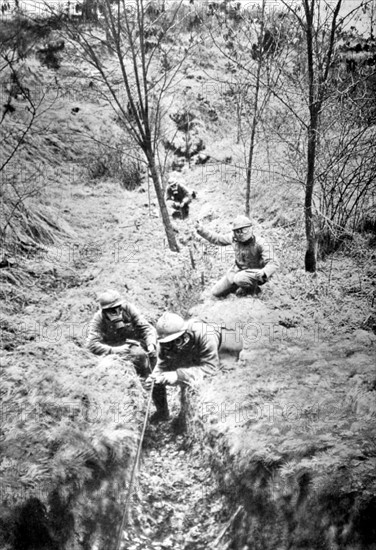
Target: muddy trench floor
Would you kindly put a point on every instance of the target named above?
(176, 502)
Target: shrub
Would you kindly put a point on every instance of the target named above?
(113, 163)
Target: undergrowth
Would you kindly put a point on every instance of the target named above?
(115, 163)
(190, 277)
(339, 297)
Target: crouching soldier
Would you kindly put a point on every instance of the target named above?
(180, 198)
(255, 261)
(188, 351)
(119, 328)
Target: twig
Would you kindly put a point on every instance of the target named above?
(227, 526)
(193, 263)
(149, 199)
(125, 517)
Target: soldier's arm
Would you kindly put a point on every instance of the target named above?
(160, 367)
(94, 341)
(209, 362)
(219, 239)
(143, 328)
(186, 200)
(269, 258)
(187, 195)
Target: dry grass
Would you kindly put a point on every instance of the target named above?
(64, 445)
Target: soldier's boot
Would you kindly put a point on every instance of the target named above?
(160, 401)
(179, 424)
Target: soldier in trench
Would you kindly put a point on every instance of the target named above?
(119, 328)
(255, 261)
(188, 351)
(179, 197)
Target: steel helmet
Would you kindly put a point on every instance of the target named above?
(240, 222)
(109, 299)
(170, 326)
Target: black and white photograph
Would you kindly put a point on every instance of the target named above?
(188, 274)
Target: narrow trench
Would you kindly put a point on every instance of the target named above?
(176, 503)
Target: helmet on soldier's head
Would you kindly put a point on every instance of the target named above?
(242, 228)
(174, 179)
(169, 327)
(109, 299)
(240, 222)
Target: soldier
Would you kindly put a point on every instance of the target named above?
(119, 328)
(188, 351)
(255, 261)
(180, 197)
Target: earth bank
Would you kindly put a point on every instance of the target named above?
(292, 433)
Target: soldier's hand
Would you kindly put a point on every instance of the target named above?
(152, 350)
(256, 274)
(170, 378)
(124, 349)
(148, 382)
(260, 276)
(263, 277)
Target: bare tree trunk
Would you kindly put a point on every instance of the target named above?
(314, 108)
(239, 119)
(250, 156)
(255, 116)
(170, 234)
(317, 79)
(310, 255)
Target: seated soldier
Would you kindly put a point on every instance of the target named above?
(255, 260)
(180, 197)
(188, 351)
(119, 328)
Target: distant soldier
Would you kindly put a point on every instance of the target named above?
(255, 261)
(188, 351)
(180, 198)
(119, 328)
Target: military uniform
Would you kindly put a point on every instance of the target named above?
(104, 338)
(197, 359)
(181, 197)
(119, 328)
(251, 256)
(188, 351)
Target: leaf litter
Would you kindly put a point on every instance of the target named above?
(177, 503)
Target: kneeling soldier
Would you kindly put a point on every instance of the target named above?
(119, 328)
(255, 261)
(180, 198)
(188, 351)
